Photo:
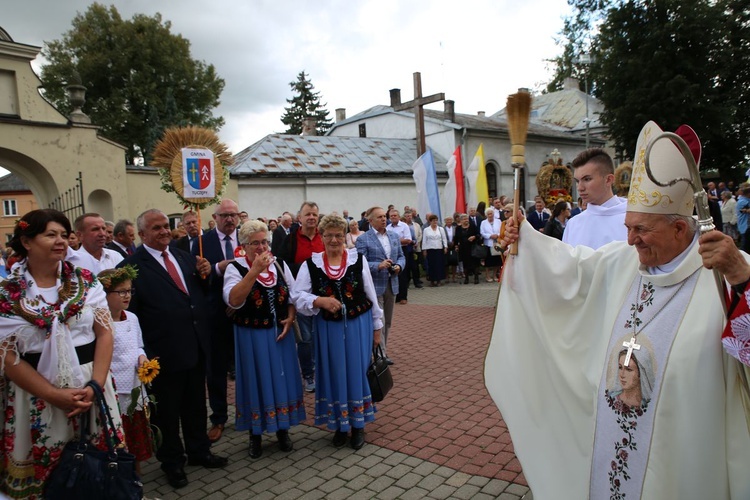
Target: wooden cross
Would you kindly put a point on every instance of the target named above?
(418, 103)
(630, 345)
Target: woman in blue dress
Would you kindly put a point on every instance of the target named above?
(269, 387)
(336, 287)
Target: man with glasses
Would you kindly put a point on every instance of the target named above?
(218, 247)
(302, 242)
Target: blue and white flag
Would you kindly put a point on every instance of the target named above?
(425, 179)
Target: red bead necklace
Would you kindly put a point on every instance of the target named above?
(268, 280)
(338, 273)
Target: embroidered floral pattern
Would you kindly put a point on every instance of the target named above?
(646, 299)
(627, 420)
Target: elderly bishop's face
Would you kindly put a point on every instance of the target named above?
(656, 239)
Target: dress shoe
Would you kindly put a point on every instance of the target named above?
(339, 439)
(256, 448)
(176, 477)
(209, 461)
(389, 361)
(215, 432)
(285, 442)
(419, 285)
(358, 438)
(402, 301)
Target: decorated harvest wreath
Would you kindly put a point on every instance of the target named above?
(623, 173)
(168, 158)
(550, 191)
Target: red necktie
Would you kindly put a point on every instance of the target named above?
(173, 272)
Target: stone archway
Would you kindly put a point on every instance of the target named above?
(100, 202)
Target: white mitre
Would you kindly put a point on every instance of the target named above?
(667, 163)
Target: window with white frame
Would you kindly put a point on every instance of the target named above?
(10, 208)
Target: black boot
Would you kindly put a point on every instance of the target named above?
(256, 448)
(285, 442)
(339, 439)
(358, 438)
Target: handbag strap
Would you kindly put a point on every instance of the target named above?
(377, 352)
(108, 425)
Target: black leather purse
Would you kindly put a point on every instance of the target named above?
(87, 473)
(379, 375)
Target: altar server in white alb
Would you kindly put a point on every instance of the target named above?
(604, 217)
(622, 389)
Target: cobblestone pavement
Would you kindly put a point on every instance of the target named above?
(437, 434)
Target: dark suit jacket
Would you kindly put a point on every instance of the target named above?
(175, 326)
(183, 244)
(213, 245)
(480, 218)
(537, 223)
(279, 235)
(114, 246)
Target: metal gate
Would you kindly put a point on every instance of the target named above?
(70, 202)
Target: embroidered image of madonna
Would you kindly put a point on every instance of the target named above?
(631, 386)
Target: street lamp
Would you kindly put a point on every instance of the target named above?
(586, 59)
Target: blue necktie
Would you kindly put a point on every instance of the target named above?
(228, 247)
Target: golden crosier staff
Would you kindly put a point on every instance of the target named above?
(518, 110)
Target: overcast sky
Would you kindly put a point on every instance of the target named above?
(475, 51)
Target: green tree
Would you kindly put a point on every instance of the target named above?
(139, 76)
(305, 104)
(672, 62)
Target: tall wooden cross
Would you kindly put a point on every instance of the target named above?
(417, 104)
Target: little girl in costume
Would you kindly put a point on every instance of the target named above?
(128, 355)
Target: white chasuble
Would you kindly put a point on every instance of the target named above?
(560, 321)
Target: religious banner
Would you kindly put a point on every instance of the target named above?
(453, 194)
(425, 180)
(198, 175)
(476, 177)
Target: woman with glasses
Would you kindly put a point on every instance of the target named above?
(269, 384)
(336, 287)
(55, 337)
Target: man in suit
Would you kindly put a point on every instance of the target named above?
(280, 233)
(170, 302)
(538, 217)
(382, 249)
(475, 218)
(193, 230)
(218, 247)
(124, 236)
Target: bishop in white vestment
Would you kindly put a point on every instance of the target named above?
(607, 365)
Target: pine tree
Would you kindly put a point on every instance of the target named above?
(305, 104)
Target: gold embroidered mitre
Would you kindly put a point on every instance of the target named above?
(667, 163)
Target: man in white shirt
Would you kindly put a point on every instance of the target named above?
(603, 220)
(407, 240)
(92, 231)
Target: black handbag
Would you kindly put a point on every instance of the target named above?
(379, 375)
(87, 473)
(479, 251)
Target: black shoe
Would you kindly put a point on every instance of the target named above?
(389, 361)
(419, 285)
(176, 477)
(209, 461)
(285, 442)
(232, 375)
(476, 279)
(466, 280)
(339, 439)
(256, 448)
(358, 438)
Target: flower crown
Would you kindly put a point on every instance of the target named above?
(110, 278)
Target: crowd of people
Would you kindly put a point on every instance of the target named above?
(285, 306)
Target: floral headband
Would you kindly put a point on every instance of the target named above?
(110, 278)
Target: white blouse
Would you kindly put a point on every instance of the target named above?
(304, 297)
(127, 349)
(434, 239)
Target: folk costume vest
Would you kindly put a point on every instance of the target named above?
(350, 290)
(263, 305)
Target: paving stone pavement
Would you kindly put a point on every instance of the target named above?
(437, 435)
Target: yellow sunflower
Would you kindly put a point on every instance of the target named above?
(148, 371)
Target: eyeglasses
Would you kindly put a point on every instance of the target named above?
(258, 243)
(123, 293)
(330, 237)
(228, 216)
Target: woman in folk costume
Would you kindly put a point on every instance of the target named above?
(589, 431)
(336, 287)
(269, 384)
(56, 334)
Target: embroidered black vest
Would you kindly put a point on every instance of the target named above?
(261, 302)
(350, 290)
